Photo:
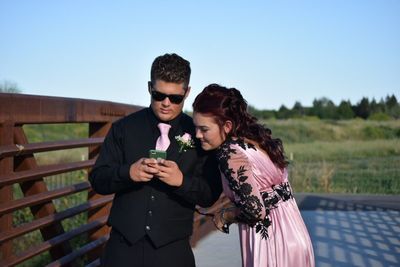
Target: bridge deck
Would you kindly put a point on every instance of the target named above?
(346, 230)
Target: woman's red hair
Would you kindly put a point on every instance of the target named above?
(228, 104)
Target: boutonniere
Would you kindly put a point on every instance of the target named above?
(185, 142)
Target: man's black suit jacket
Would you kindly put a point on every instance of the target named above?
(163, 212)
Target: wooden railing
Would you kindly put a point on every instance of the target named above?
(20, 168)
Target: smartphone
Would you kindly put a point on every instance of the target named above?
(157, 154)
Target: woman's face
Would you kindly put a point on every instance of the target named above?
(208, 131)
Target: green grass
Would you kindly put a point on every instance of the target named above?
(353, 156)
(367, 167)
(342, 150)
(311, 130)
(55, 132)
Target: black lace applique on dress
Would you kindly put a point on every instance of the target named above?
(280, 192)
(249, 204)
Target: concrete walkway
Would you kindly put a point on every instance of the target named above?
(346, 230)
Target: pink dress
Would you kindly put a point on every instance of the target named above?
(272, 231)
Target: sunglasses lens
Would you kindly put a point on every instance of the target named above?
(176, 99)
(157, 96)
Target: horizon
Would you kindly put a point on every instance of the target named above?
(294, 51)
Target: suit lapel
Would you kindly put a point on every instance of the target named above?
(173, 149)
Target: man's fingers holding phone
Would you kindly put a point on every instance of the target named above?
(143, 170)
(157, 154)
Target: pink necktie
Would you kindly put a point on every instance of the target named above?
(163, 141)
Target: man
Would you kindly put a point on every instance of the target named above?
(152, 211)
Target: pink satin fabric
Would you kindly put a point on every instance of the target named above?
(289, 243)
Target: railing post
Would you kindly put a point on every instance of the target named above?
(6, 193)
(196, 226)
(97, 130)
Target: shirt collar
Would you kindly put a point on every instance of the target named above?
(154, 121)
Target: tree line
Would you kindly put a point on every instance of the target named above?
(324, 108)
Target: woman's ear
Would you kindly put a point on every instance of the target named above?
(227, 127)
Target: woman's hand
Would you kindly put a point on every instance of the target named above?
(225, 217)
(220, 223)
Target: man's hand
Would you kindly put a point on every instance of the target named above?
(169, 173)
(143, 170)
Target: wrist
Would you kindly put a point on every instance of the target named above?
(229, 214)
(181, 180)
(132, 173)
(225, 221)
(225, 218)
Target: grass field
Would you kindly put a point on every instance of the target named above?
(367, 167)
(312, 129)
(353, 156)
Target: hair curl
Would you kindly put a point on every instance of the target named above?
(228, 104)
(171, 68)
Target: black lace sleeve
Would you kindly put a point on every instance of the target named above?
(235, 166)
(255, 206)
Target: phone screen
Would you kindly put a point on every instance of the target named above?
(157, 154)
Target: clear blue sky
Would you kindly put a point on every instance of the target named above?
(275, 52)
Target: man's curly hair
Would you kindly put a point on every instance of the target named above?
(171, 68)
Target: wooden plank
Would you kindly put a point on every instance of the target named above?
(46, 245)
(94, 263)
(42, 197)
(43, 171)
(52, 218)
(79, 252)
(25, 149)
(34, 188)
(33, 109)
(97, 130)
(6, 193)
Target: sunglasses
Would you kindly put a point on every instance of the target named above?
(158, 96)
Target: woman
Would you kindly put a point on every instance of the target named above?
(255, 179)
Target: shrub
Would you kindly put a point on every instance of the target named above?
(379, 116)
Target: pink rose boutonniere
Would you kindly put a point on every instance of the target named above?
(185, 142)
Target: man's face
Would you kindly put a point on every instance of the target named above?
(165, 109)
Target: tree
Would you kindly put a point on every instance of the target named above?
(376, 107)
(298, 110)
(323, 108)
(260, 114)
(283, 113)
(344, 110)
(363, 109)
(392, 107)
(9, 87)
(391, 102)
